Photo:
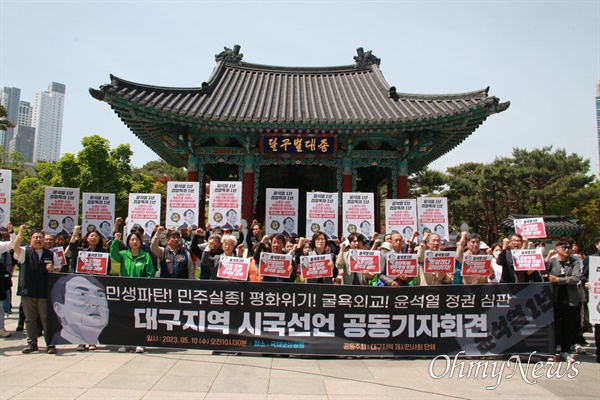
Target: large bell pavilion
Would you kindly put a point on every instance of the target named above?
(327, 129)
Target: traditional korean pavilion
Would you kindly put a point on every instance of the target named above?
(325, 129)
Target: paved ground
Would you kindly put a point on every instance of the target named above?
(193, 374)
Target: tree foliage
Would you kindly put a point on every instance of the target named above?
(5, 124)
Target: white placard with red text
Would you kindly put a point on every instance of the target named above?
(402, 264)
(98, 212)
(61, 210)
(318, 266)
(531, 228)
(5, 191)
(401, 216)
(594, 279)
(525, 260)
(89, 262)
(439, 261)
(476, 265)
(183, 205)
(144, 210)
(235, 268)
(358, 214)
(364, 261)
(433, 215)
(322, 214)
(225, 204)
(275, 265)
(282, 212)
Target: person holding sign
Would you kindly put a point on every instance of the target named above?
(319, 243)
(95, 243)
(35, 263)
(355, 242)
(175, 261)
(397, 248)
(277, 243)
(505, 259)
(431, 242)
(473, 243)
(564, 272)
(134, 261)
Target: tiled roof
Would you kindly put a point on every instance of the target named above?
(556, 225)
(253, 93)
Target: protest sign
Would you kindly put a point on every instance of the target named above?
(282, 212)
(235, 268)
(225, 204)
(144, 210)
(275, 265)
(322, 214)
(98, 212)
(401, 216)
(401, 264)
(439, 261)
(318, 266)
(433, 216)
(476, 265)
(525, 260)
(5, 193)
(89, 262)
(364, 261)
(183, 205)
(531, 228)
(358, 214)
(61, 210)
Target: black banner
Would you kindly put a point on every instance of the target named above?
(310, 319)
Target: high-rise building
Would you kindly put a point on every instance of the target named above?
(48, 108)
(25, 111)
(10, 98)
(22, 142)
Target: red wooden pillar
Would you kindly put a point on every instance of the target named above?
(248, 191)
(202, 203)
(192, 176)
(402, 182)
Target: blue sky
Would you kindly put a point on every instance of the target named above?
(542, 56)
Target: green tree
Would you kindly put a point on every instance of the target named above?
(161, 169)
(427, 182)
(5, 124)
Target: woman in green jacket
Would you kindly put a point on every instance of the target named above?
(135, 262)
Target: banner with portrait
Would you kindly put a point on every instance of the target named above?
(439, 261)
(322, 214)
(98, 212)
(89, 262)
(400, 264)
(5, 196)
(531, 228)
(525, 260)
(183, 205)
(307, 319)
(275, 265)
(282, 212)
(401, 216)
(317, 266)
(144, 211)
(235, 268)
(433, 216)
(358, 214)
(364, 261)
(225, 204)
(61, 210)
(476, 265)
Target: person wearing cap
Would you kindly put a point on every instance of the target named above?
(473, 244)
(395, 246)
(175, 261)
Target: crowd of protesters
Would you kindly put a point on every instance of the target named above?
(193, 253)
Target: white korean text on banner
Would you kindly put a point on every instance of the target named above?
(364, 261)
(89, 262)
(439, 261)
(5, 191)
(282, 212)
(399, 264)
(144, 210)
(61, 210)
(401, 216)
(322, 214)
(359, 214)
(98, 212)
(318, 266)
(476, 265)
(225, 204)
(594, 303)
(234, 268)
(531, 228)
(433, 215)
(525, 260)
(183, 205)
(334, 320)
(275, 265)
